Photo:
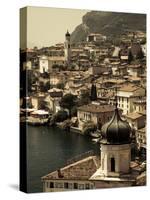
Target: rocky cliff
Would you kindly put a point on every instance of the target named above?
(108, 23)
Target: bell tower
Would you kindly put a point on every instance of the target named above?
(115, 153)
(115, 147)
(67, 48)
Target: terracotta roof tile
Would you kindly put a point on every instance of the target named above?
(81, 169)
(93, 108)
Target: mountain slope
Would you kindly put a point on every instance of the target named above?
(108, 23)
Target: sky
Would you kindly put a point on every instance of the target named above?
(47, 26)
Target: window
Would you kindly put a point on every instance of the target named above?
(81, 186)
(66, 185)
(84, 115)
(112, 165)
(75, 185)
(87, 186)
(51, 184)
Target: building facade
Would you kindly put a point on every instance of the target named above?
(43, 64)
(126, 96)
(98, 114)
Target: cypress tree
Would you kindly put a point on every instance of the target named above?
(93, 93)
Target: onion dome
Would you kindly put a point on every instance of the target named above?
(67, 34)
(116, 131)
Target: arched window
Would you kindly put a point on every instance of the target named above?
(112, 164)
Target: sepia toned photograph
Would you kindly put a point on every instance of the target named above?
(83, 78)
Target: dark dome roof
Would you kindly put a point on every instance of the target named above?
(67, 34)
(116, 131)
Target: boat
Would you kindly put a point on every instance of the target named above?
(38, 117)
(95, 140)
(95, 134)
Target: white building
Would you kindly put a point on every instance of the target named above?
(95, 113)
(43, 64)
(136, 120)
(140, 105)
(126, 95)
(55, 61)
(96, 37)
(53, 98)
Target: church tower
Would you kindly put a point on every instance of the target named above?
(115, 147)
(115, 156)
(67, 48)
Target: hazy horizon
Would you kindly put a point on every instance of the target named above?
(47, 26)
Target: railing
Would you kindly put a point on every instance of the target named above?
(80, 157)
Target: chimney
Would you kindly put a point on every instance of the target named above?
(59, 174)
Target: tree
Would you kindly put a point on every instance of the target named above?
(35, 48)
(61, 115)
(130, 57)
(44, 87)
(93, 93)
(45, 75)
(60, 85)
(88, 128)
(84, 98)
(143, 41)
(68, 101)
(58, 67)
(66, 124)
(140, 55)
(28, 79)
(47, 86)
(74, 111)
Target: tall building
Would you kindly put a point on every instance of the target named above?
(67, 48)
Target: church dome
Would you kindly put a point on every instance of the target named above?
(116, 131)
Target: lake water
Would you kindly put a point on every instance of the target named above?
(49, 149)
